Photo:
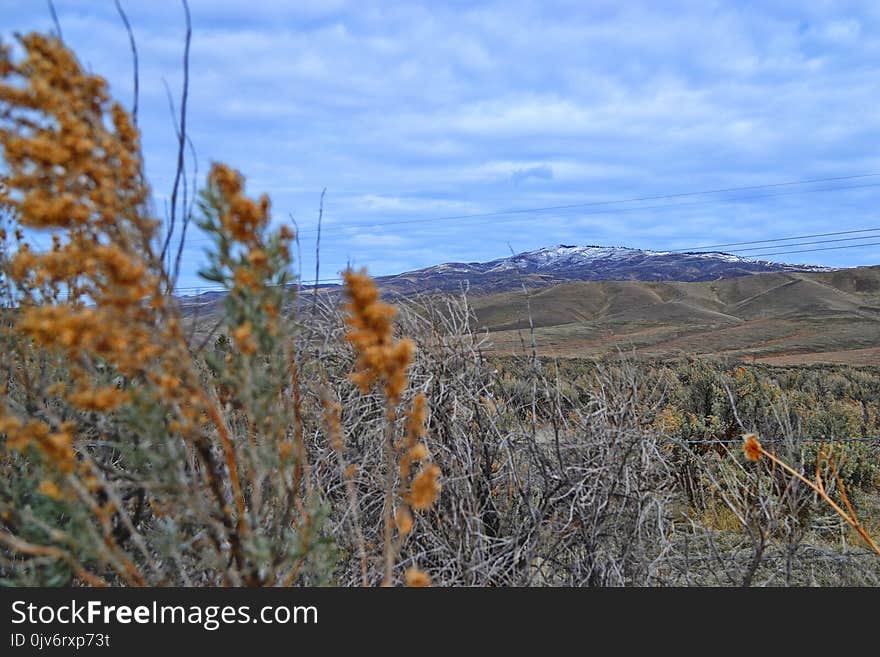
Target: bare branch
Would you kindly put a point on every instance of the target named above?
(55, 20)
(134, 57)
(181, 132)
(318, 253)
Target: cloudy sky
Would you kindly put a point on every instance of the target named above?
(417, 115)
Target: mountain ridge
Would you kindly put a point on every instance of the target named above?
(566, 262)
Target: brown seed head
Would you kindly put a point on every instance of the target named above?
(751, 447)
(417, 578)
(425, 487)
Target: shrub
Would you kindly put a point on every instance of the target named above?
(133, 456)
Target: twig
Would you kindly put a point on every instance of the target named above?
(20, 545)
(181, 135)
(318, 253)
(817, 486)
(55, 20)
(134, 56)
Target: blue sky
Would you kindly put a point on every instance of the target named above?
(416, 110)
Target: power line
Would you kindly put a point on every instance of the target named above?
(773, 246)
(205, 289)
(778, 239)
(339, 227)
(638, 199)
(827, 248)
(767, 242)
(499, 213)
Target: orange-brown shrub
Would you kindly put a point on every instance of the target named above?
(132, 454)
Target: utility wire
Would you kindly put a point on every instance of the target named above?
(205, 289)
(778, 239)
(827, 248)
(573, 206)
(337, 280)
(768, 243)
(785, 246)
(428, 220)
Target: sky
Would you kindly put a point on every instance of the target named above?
(415, 116)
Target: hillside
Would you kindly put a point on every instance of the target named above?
(552, 266)
(777, 318)
(593, 301)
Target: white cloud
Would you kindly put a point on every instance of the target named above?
(398, 204)
(422, 109)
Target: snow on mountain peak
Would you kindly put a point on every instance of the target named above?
(594, 262)
(569, 255)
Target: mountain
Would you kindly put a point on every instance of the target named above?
(562, 263)
(553, 266)
(592, 301)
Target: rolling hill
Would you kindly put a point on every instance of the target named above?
(591, 301)
(783, 317)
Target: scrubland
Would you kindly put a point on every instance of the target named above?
(284, 441)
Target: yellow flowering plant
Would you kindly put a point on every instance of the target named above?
(132, 419)
(142, 446)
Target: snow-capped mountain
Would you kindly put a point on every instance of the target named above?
(584, 263)
(559, 264)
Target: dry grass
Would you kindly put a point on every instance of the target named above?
(781, 318)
